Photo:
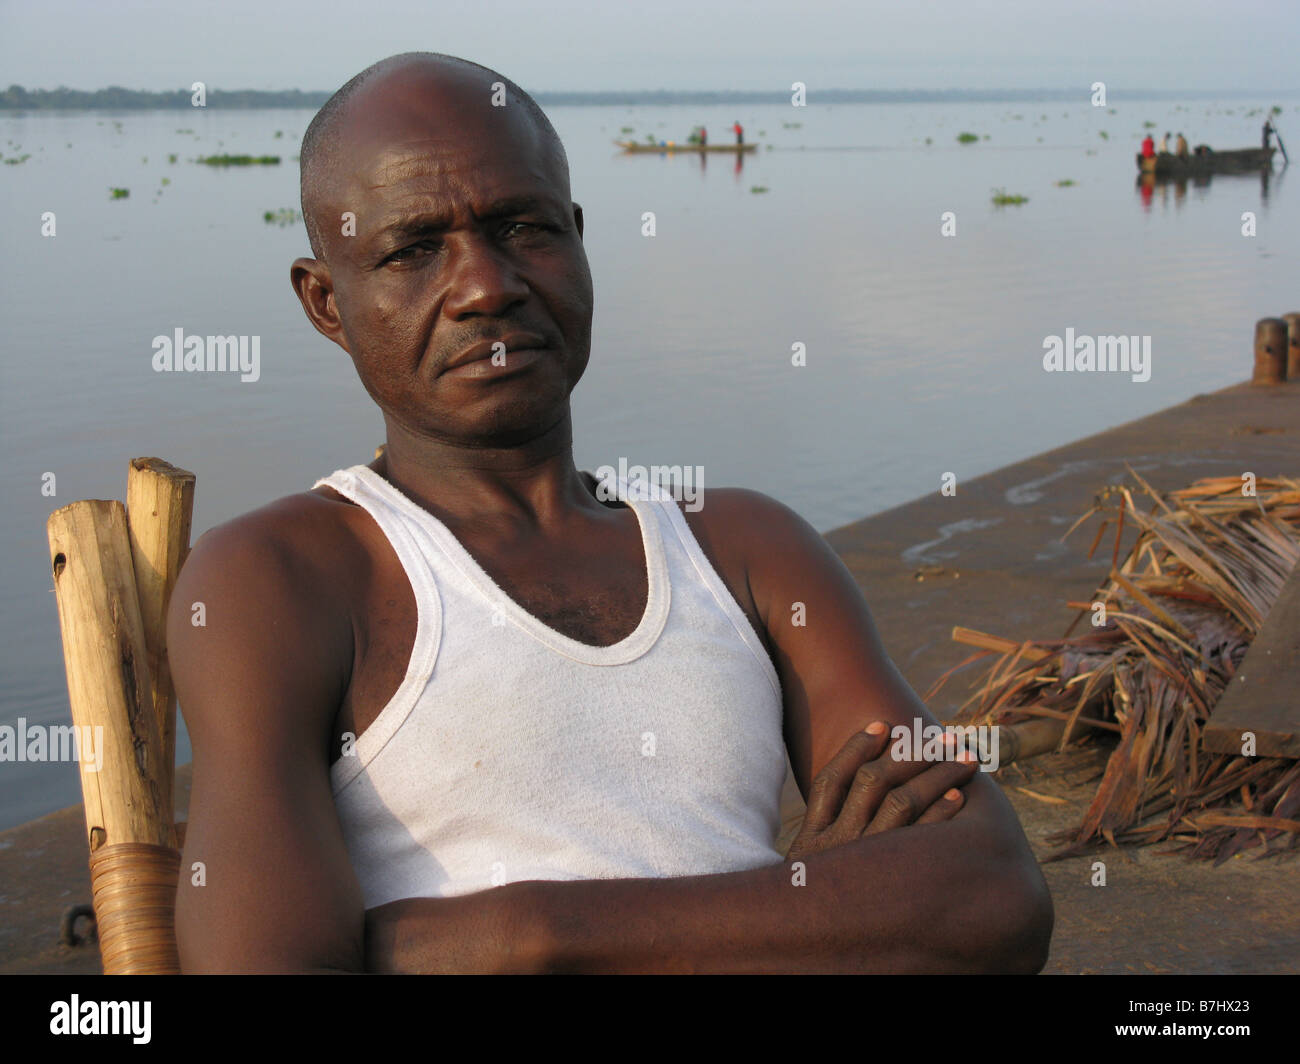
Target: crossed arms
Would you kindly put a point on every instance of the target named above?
(897, 875)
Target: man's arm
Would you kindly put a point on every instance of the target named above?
(259, 683)
(963, 894)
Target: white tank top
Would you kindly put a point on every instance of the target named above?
(513, 752)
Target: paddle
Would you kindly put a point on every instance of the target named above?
(1281, 145)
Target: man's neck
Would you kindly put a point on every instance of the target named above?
(535, 481)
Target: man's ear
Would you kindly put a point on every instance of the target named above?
(315, 290)
(577, 217)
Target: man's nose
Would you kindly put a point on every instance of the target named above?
(482, 279)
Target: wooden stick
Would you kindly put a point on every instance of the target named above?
(159, 509)
(984, 641)
(107, 662)
(1061, 715)
(1029, 738)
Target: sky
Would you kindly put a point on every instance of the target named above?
(559, 45)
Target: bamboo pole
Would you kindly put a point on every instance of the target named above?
(107, 662)
(133, 866)
(159, 508)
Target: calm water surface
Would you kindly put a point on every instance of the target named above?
(924, 352)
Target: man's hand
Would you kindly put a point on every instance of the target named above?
(864, 790)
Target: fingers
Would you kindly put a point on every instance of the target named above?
(945, 808)
(832, 783)
(882, 781)
(908, 803)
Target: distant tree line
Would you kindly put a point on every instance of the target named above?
(17, 98)
(116, 98)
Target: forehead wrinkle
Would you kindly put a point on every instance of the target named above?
(414, 182)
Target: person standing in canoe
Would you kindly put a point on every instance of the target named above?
(704, 137)
(1148, 147)
(1180, 147)
(739, 130)
(1268, 133)
(1163, 148)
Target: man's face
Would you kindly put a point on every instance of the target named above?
(465, 234)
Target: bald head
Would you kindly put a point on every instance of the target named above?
(442, 85)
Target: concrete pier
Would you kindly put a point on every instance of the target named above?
(988, 557)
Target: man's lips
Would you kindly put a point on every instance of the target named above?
(518, 349)
(512, 362)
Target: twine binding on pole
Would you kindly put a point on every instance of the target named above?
(134, 889)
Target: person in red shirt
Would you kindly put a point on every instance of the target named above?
(739, 131)
(1148, 147)
(704, 137)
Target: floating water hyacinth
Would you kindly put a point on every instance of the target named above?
(283, 217)
(967, 138)
(119, 193)
(1002, 198)
(239, 160)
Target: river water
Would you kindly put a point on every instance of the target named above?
(924, 351)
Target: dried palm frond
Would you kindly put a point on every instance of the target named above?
(1181, 610)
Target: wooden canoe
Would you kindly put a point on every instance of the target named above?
(1166, 164)
(633, 148)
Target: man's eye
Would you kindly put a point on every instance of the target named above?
(412, 251)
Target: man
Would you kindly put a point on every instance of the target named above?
(1268, 132)
(458, 711)
(739, 130)
(1148, 147)
(1180, 147)
(1164, 144)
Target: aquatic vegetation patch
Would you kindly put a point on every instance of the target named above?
(239, 160)
(283, 217)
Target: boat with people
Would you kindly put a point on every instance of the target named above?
(1205, 160)
(632, 147)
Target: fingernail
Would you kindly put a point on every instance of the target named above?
(953, 795)
(876, 727)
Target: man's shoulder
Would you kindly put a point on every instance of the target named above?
(300, 529)
(293, 552)
(756, 543)
(262, 616)
(746, 520)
